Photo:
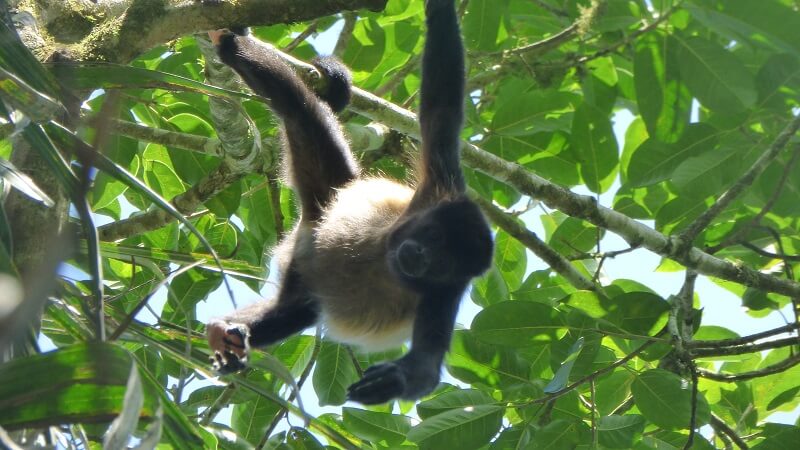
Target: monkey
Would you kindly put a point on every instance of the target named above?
(373, 260)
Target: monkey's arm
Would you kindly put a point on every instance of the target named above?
(417, 373)
(261, 324)
(441, 113)
(319, 157)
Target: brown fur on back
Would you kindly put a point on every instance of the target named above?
(344, 256)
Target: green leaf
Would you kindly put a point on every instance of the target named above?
(482, 24)
(778, 437)
(714, 75)
(574, 236)
(769, 24)
(367, 46)
(333, 373)
(473, 361)
(124, 425)
(594, 142)
(376, 426)
(526, 113)
(665, 399)
(656, 161)
(90, 385)
(89, 76)
(620, 431)
(663, 99)
(457, 399)
(466, 428)
(518, 324)
(613, 391)
(640, 313)
(561, 435)
(250, 419)
(561, 377)
(23, 183)
(510, 258)
(490, 288)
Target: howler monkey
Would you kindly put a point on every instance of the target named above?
(373, 260)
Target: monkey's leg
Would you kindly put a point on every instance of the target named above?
(318, 156)
(416, 373)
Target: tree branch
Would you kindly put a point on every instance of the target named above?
(186, 203)
(745, 348)
(130, 27)
(744, 340)
(770, 370)
(186, 141)
(691, 232)
(529, 239)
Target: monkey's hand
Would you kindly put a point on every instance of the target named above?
(228, 342)
(409, 377)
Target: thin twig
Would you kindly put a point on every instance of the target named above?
(736, 234)
(529, 239)
(719, 425)
(300, 38)
(693, 413)
(770, 370)
(744, 340)
(350, 19)
(705, 219)
(303, 377)
(569, 388)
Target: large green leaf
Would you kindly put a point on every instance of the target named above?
(82, 383)
(113, 76)
(376, 426)
(663, 99)
(665, 399)
(333, 373)
(457, 399)
(466, 428)
(518, 324)
(594, 142)
(714, 75)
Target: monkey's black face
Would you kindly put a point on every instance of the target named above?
(443, 246)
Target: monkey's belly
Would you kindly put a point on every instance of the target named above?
(362, 302)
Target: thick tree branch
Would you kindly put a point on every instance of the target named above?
(186, 141)
(130, 27)
(216, 181)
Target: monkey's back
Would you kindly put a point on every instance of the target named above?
(345, 260)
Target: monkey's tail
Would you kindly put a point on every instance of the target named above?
(338, 82)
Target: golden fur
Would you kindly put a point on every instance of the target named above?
(342, 260)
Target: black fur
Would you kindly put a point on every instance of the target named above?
(424, 261)
(338, 82)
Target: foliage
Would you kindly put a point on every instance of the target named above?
(556, 358)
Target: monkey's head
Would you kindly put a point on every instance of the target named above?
(445, 245)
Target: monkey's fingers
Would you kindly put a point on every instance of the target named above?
(226, 363)
(380, 384)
